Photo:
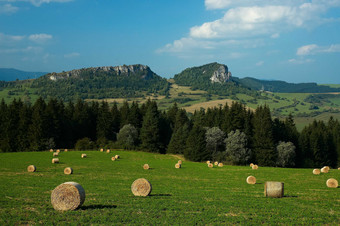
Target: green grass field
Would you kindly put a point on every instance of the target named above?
(194, 194)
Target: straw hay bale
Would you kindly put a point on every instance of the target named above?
(108, 151)
(208, 162)
(113, 158)
(101, 150)
(65, 150)
(146, 166)
(251, 164)
(58, 150)
(179, 161)
(339, 168)
(177, 166)
(51, 150)
(68, 170)
(55, 153)
(117, 156)
(55, 160)
(273, 189)
(31, 168)
(324, 170)
(215, 163)
(141, 187)
(327, 168)
(210, 165)
(316, 171)
(220, 164)
(332, 183)
(83, 155)
(251, 180)
(255, 167)
(68, 196)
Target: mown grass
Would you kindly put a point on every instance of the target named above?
(194, 194)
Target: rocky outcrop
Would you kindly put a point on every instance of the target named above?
(117, 70)
(221, 75)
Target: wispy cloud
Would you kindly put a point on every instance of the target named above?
(37, 3)
(252, 19)
(315, 49)
(40, 38)
(300, 61)
(72, 55)
(8, 9)
(260, 63)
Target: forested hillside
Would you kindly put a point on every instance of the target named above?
(102, 82)
(231, 134)
(10, 74)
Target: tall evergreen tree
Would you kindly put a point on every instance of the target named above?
(150, 131)
(196, 145)
(263, 137)
(105, 127)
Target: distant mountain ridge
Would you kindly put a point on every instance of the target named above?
(11, 74)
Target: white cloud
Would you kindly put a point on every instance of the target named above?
(40, 38)
(72, 55)
(8, 9)
(260, 63)
(37, 2)
(300, 61)
(252, 19)
(315, 49)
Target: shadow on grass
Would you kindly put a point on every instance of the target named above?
(98, 207)
(160, 195)
(290, 196)
(258, 183)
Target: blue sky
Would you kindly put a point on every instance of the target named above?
(290, 40)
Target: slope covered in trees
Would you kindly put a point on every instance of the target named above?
(230, 134)
(101, 82)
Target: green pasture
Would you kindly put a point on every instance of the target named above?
(194, 194)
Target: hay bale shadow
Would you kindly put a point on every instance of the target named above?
(290, 196)
(98, 207)
(160, 195)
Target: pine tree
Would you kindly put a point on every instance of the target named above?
(263, 137)
(150, 131)
(196, 145)
(105, 127)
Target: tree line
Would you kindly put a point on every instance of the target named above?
(232, 134)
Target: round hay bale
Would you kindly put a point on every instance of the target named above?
(108, 151)
(273, 189)
(31, 168)
(65, 150)
(339, 168)
(57, 150)
(327, 168)
(332, 183)
(101, 150)
(210, 165)
(324, 170)
(208, 162)
(55, 160)
(55, 153)
(83, 155)
(316, 171)
(146, 166)
(141, 187)
(113, 158)
(117, 156)
(251, 180)
(255, 167)
(251, 164)
(215, 163)
(68, 170)
(68, 196)
(179, 161)
(220, 164)
(177, 166)
(51, 150)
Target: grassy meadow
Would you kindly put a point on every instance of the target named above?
(194, 194)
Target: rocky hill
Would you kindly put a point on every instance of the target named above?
(102, 82)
